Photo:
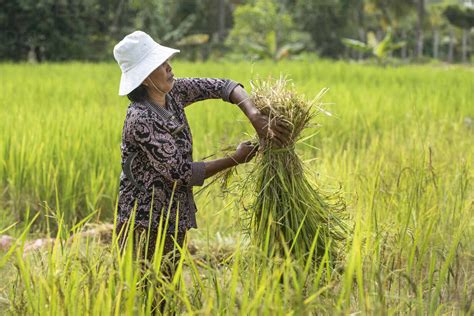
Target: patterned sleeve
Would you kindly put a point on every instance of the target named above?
(162, 152)
(190, 90)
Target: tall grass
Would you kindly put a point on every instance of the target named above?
(400, 144)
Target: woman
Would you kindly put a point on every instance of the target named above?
(158, 169)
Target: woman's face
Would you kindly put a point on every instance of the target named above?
(162, 78)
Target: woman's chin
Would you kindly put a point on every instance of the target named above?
(171, 83)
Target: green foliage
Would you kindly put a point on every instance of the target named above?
(46, 30)
(88, 29)
(390, 13)
(381, 50)
(459, 17)
(165, 21)
(262, 29)
(327, 21)
(58, 30)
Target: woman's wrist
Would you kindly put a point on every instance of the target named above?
(241, 98)
(253, 116)
(232, 160)
(214, 166)
(249, 109)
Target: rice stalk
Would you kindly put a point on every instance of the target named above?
(289, 211)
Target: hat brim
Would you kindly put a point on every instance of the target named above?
(135, 76)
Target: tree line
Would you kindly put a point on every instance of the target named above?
(60, 30)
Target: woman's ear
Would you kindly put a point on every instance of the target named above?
(145, 82)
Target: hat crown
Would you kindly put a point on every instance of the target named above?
(138, 55)
(132, 49)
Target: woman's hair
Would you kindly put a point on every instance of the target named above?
(139, 94)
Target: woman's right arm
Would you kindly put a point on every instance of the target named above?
(162, 153)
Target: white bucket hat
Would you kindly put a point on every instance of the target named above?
(138, 55)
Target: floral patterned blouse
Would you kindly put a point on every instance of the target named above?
(158, 171)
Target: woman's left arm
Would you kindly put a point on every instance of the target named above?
(190, 90)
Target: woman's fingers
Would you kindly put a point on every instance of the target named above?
(245, 151)
(282, 136)
(278, 140)
(278, 130)
(284, 123)
(252, 151)
(281, 128)
(282, 133)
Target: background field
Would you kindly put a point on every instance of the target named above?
(400, 143)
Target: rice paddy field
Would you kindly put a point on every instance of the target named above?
(399, 145)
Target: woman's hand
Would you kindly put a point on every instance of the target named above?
(245, 152)
(277, 130)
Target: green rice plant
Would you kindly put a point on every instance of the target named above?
(290, 211)
(400, 142)
(74, 276)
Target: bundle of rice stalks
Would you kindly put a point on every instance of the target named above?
(290, 213)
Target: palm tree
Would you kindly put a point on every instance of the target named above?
(463, 19)
(436, 21)
(420, 12)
